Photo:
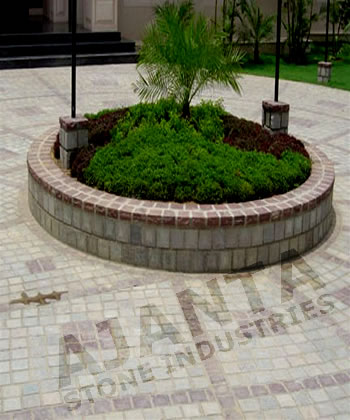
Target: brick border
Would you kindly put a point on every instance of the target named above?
(179, 237)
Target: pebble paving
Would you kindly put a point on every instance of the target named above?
(130, 343)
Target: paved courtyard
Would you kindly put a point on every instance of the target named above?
(130, 343)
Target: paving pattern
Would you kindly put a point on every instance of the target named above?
(130, 343)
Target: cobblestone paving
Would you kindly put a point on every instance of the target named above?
(129, 343)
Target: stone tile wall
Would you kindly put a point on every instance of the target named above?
(179, 237)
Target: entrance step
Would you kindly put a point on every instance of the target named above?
(54, 49)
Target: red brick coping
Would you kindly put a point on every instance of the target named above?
(133, 227)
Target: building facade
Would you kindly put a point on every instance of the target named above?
(126, 16)
(135, 14)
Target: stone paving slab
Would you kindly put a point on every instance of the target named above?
(130, 343)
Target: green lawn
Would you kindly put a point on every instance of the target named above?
(301, 73)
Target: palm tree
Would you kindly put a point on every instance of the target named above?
(182, 54)
(256, 27)
(299, 17)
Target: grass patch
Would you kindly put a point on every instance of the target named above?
(302, 73)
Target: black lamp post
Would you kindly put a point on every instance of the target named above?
(74, 130)
(73, 4)
(278, 48)
(327, 23)
(275, 114)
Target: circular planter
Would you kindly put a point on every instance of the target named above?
(179, 237)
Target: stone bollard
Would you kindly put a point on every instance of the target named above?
(73, 136)
(275, 116)
(324, 72)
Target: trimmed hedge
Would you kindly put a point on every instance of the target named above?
(157, 155)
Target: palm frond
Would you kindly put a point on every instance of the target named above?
(256, 27)
(182, 54)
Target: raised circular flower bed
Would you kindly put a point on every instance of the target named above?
(179, 237)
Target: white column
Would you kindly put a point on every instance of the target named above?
(56, 10)
(80, 8)
(101, 15)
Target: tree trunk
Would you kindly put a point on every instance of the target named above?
(256, 53)
(334, 41)
(186, 110)
(224, 11)
(232, 21)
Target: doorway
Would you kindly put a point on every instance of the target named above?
(14, 18)
(21, 16)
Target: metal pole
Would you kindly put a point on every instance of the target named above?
(327, 23)
(74, 53)
(278, 48)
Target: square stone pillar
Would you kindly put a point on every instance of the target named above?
(324, 72)
(101, 15)
(57, 11)
(275, 116)
(73, 136)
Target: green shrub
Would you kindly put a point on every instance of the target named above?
(206, 118)
(156, 154)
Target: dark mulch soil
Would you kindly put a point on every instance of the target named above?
(99, 135)
(99, 129)
(82, 161)
(56, 147)
(240, 133)
(247, 135)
